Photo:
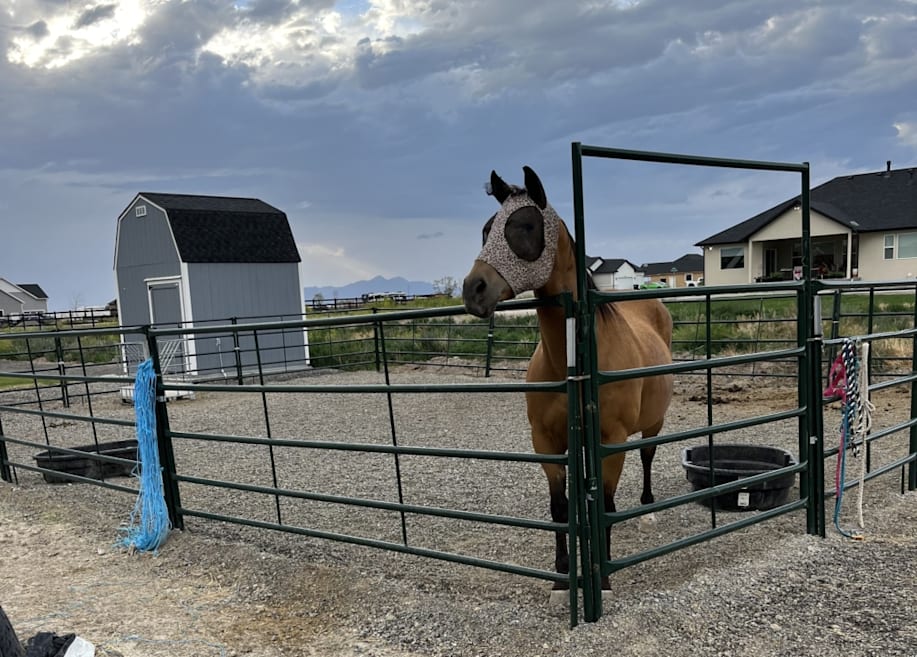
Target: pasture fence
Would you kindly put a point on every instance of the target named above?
(55, 409)
(62, 420)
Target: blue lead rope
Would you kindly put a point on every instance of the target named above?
(149, 524)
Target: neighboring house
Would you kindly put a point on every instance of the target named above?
(613, 273)
(18, 299)
(862, 226)
(191, 260)
(686, 271)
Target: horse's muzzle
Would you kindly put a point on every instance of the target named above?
(483, 289)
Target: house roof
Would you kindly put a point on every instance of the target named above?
(227, 229)
(867, 202)
(33, 289)
(689, 262)
(607, 265)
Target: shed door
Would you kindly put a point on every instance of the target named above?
(165, 310)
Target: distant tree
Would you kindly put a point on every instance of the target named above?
(318, 301)
(445, 285)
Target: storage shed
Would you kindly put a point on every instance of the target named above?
(190, 260)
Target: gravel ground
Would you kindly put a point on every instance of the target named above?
(221, 589)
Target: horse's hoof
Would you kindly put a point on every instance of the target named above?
(561, 586)
(648, 522)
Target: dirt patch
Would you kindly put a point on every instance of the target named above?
(219, 589)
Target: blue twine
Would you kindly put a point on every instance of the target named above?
(149, 524)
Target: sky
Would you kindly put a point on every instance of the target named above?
(374, 124)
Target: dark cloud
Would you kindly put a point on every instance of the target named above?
(396, 143)
(95, 14)
(37, 30)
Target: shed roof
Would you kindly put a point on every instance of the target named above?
(227, 229)
(867, 202)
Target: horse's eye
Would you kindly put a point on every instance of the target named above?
(487, 227)
(524, 233)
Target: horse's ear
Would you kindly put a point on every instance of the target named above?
(534, 188)
(499, 188)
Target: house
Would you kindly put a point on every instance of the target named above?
(686, 271)
(189, 260)
(613, 273)
(862, 226)
(22, 298)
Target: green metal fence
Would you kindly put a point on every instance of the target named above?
(55, 411)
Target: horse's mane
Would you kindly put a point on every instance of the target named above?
(606, 309)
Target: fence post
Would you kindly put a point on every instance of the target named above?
(814, 484)
(376, 329)
(490, 346)
(164, 439)
(236, 350)
(5, 471)
(62, 370)
(912, 466)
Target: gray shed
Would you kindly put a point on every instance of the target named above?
(195, 261)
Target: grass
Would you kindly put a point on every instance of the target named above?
(419, 340)
(736, 325)
(12, 383)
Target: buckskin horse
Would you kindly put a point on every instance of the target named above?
(527, 246)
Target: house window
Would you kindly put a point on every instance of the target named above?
(901, 245)
(732, 257)
(907, 245)
(689, 277)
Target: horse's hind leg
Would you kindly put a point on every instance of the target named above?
(646, 457)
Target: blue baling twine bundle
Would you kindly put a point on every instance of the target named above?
(149, 523)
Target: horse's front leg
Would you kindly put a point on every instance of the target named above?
(560, 513)
(611, 473)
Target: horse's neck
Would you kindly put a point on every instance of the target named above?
(551, 320)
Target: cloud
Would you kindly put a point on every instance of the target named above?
(94, 15)
(37, 30)
(388, 115)
(907, 132)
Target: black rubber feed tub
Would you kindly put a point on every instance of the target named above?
(734, 462)
(88, 466)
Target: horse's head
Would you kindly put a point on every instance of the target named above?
(520, 243)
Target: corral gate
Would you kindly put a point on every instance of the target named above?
(593, 514)
(588, 518)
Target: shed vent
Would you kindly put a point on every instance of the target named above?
(140, 211)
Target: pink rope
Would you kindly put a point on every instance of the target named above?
(837, 386)
(837, 379)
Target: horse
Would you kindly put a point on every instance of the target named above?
(527, 246)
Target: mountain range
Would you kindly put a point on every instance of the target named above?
(377, 285)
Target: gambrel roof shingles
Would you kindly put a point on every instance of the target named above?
(227, 229)
(867, 202)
